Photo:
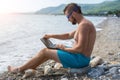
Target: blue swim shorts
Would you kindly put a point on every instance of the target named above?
(72, 60)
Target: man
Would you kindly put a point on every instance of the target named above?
(71, 57)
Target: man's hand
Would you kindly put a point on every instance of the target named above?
(46, 36)
(60, 46)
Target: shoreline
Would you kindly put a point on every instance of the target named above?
(108, 39)
(107, 44)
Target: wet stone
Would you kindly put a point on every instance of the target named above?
(116, 76)
(104, 78)
(113, 70)
(96, 72)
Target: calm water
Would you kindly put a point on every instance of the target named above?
(20, 34)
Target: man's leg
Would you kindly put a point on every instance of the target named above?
(44, 55)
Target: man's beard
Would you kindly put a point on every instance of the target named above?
(74, 22)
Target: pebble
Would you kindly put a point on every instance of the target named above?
(29, 73)
(104, 71)
(110, 53)
(95, 61)
(58, 66)
(113, 70)
(116, 76)
(19, 74)
(64, 79)
(47, 69)
(96, 72)
(119, 70)
(79, 70)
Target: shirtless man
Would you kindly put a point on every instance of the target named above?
(70, 57)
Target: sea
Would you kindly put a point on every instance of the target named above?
(20, 35)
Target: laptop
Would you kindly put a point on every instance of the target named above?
(48, 43)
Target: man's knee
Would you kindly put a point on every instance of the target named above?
(44, 51)
(50, 54)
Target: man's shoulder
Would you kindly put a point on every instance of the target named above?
(86, 23)
(85, 26)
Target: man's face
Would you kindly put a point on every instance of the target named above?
(70, 17)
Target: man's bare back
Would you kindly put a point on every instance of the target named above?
(85, 36)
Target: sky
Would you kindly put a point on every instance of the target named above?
(10, 6)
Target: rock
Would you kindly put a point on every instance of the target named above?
(28, 73)
(117, 55)
(64, 79)
(113, 65)
(110, 53)
(96, 72)
(58, 66)
(116, 76)
(79, 70)
(119, 70)
(95, 61)
(113, 70)
(47, 69)
(75, 76)
(52, 63)
(104, 78)
(19, 74)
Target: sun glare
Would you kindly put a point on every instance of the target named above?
(6, 6)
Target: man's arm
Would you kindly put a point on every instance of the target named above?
(61, 36)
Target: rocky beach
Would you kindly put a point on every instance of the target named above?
(107, 46)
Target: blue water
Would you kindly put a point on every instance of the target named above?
(20, 34)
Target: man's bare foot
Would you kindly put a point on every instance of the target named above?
(13, 69)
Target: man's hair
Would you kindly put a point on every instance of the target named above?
(71, 7)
